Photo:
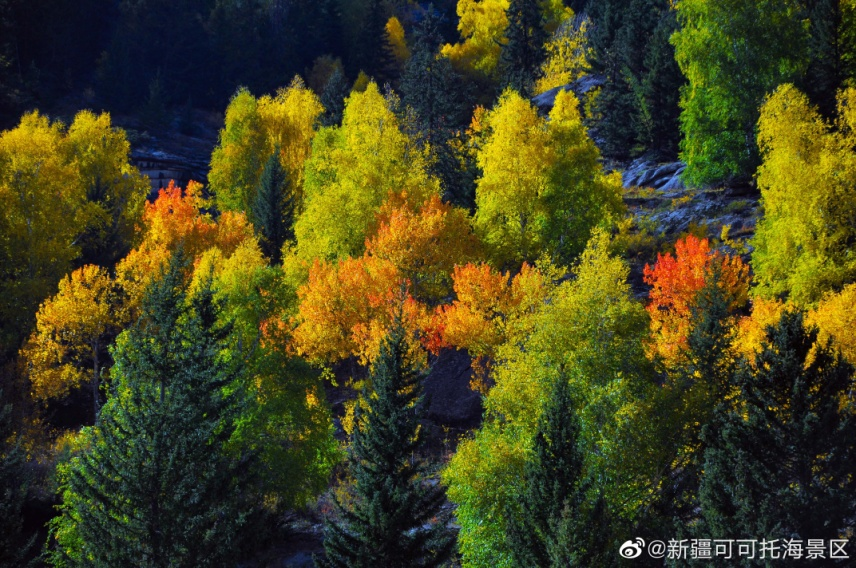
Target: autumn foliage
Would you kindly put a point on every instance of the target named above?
(488, 308)
(835, 317)
(73, 329)
(424, 243)
(677, 279)
(347, 305)
(176, 219)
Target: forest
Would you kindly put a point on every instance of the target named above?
(215, 372)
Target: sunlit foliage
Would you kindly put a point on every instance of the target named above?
(482, 27)
(568, 55)
(177, 219)
(593, 331)
(803, 244)
(424, 244)
(254, 129)
(727, 84)
(353, 170)
(63, 193)
(676, 282)
(68, 349)
(543, 189)
(490, 309)
(835, 317)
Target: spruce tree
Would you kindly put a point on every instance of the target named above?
(523, 53)
(562, 521)
(779, 462)
(333, 98)
(154, 485)
(637, 107)
(437, 96)
(661, 83)
(430, 86)
(396, 519)
(831, 52)
(699, 384)
(273, 209)
(371, 54)
(15, 547)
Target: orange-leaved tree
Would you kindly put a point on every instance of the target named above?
(346, 307)
(178, 219)
(424, 243)
(490, 308)
(676, 281)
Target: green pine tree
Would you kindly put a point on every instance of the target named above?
(333, 98)
(437, 96)
(832, 52)
(273, 209)
(562, 521)
(704, 381)
(371, 54)
(523, 53)
(154, 485)
(661, 83)
(430, 86)
(15, 547)
(780, 461)
(637, 108)
(396, 520)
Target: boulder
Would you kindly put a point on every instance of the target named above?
(448, 396)
(545, 101)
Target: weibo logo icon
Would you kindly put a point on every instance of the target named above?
(632, 549)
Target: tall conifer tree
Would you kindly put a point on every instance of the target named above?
(780, 461)
(333, 98)
(396, 520)
(562, 521)
(154, 485)
(273, 209)
(15, 546)
(437, 96)
(523, 52)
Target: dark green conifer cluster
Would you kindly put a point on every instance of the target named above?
(157, 484)
(396, 519)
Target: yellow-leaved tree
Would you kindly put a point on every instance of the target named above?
(568, 55)
(115, 190)
(543, 189)
(352, 171)
(254, 129)
(835, 317)
(804, 241)
(74, 328)
(63, 192)
(396, 41)
(482, 25)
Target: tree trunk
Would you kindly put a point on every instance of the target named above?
(96, 371)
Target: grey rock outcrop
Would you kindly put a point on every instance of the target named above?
(645, 173)
(545, 101)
